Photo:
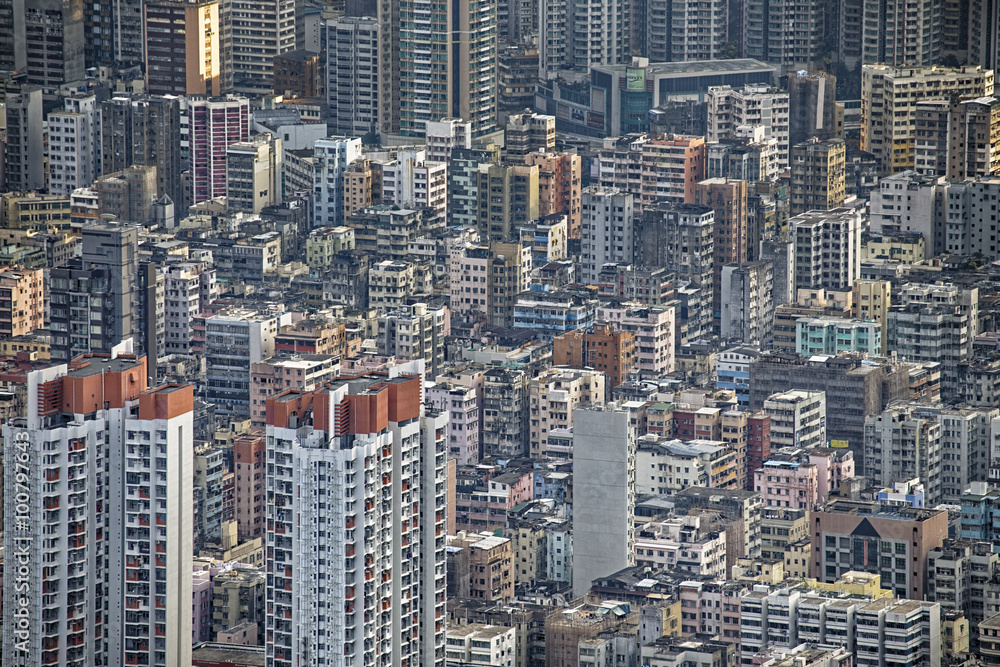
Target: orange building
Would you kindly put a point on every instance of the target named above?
(559, 186)
(603, 349)
(671, 169)
(728, 198)
(248, 455)
(490, 565)
(22, 301)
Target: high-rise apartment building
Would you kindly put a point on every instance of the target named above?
(464, 420)
(527, 132)
(485, 281)
(787, 33)
(145, 130)
(653, 329)
(827, 248)
(76, 599)
(445, 136)
(463, 184)
(671, 169)
(235, 339)
(606, 232)
(746, 304)
(22, 168)
(215, 124)
(604, 452)
(962, 577)
(983, 46)
(817, 175)
(48, 39)
(258, 30)
(413, 332)
(253, 173)
(935, 323)
(183, 47)
(189, 289)
(871, 301)
(559, 184)
(410, 182)
(505, 414)
(889, 99)
(251, 477)
(812, 107)
(760, 105)
(129, 195)
(354, 70)
(508, 198)
(22, 296)
(349, 457)
(95, 300)
(908, 35)
(439, 78)
(296, 73)
(904, 442)
(728, 199)
(331, 158)
(577, 36)
(958, 139)
(554, 395)
(602, 348)
(679, 237)
(74, 144)
(681, 31)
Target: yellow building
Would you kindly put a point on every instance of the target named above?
(324, 243)
(907, 247)
(36, 346)
(798, 557)
(22, 301)
(187, 32)
(559, 187)
(889, 99)
(357, 186)
(861, 584)
(954, 633)
(40, 212)
(507, 199)
(817, 175)
(872, 299)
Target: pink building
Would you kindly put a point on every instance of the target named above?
(248, 456)
(462, 407)
(833, 465)
(712, 607)
(201, 590)
(273, 376)
(216, 123)
(788, 484)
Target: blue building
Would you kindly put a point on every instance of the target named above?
(732, 372)
(550, 314)
(981, 514)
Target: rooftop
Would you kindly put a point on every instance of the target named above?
(693, 67)
(878, 511)
(98, 365)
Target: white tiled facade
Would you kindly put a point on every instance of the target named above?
(355, 531)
